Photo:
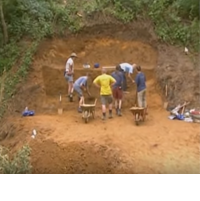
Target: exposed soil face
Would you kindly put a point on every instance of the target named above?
(65, 144)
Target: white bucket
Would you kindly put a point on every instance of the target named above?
(60, 111)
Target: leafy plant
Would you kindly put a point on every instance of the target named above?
(19, 164)
(12, 80)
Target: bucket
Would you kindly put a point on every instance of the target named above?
(60, 110)
(165, 105)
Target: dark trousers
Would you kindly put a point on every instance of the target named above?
(124, 87)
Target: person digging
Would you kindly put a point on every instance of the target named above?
(128, 69)
(80, 85)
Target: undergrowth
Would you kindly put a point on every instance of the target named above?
(10, 80)
(175, 22)
(18, 164)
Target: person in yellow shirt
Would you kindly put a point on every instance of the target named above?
(105, 82)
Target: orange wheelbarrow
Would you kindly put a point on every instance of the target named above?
(88, 110)
(139, 114)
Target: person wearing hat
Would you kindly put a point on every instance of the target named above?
(69, 71)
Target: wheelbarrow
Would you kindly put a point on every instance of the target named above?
(139, 114)
(195, 115)
(88, 111)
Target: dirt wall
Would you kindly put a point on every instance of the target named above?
(108, 44)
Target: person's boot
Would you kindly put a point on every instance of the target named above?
(79, 110)
(103, 117)
(119, 112)
(116, 109)
(71, 98)
(110, 114)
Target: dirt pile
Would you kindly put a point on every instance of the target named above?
(77, 158)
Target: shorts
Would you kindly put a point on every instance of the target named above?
(78, 90)
(106, 99)
(141, 97)
(117, 93)
(69, 78)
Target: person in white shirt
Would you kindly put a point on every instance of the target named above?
(69, 72)
(127, 69)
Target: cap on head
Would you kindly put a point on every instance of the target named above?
(73, 55)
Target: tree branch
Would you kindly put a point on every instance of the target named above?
(3, 23)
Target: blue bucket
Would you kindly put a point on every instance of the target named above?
(96, 65)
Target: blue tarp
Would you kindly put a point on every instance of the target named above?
(28, 113)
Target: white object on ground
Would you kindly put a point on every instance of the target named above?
(34, 132)
(186, 50)
(86, 66)
(188, 119)
(187, 114)
(109, 67)
(171, 117)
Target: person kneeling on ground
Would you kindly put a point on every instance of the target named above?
(80, 85)
(117, 89)
(140, 81)
(105, 82)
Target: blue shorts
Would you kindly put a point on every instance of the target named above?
(78, 90)
(69, 78)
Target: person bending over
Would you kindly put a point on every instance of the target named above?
(127, 69)
(80, 85)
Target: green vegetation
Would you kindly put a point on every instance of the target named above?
(175, 22)
(18, 164)
(24, 23)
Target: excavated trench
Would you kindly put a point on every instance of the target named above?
(66, 145)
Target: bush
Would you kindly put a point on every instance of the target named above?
(19, 164)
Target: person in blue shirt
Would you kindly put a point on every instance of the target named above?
(117, 89)
(80, 85)
(140, 82)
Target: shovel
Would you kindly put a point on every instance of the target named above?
(60, 109)
(165, 105)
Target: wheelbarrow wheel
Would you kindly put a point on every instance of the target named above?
(86, 116)
(136, 119)
(86, 120)
(93, 114)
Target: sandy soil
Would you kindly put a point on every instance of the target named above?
(65, 144)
